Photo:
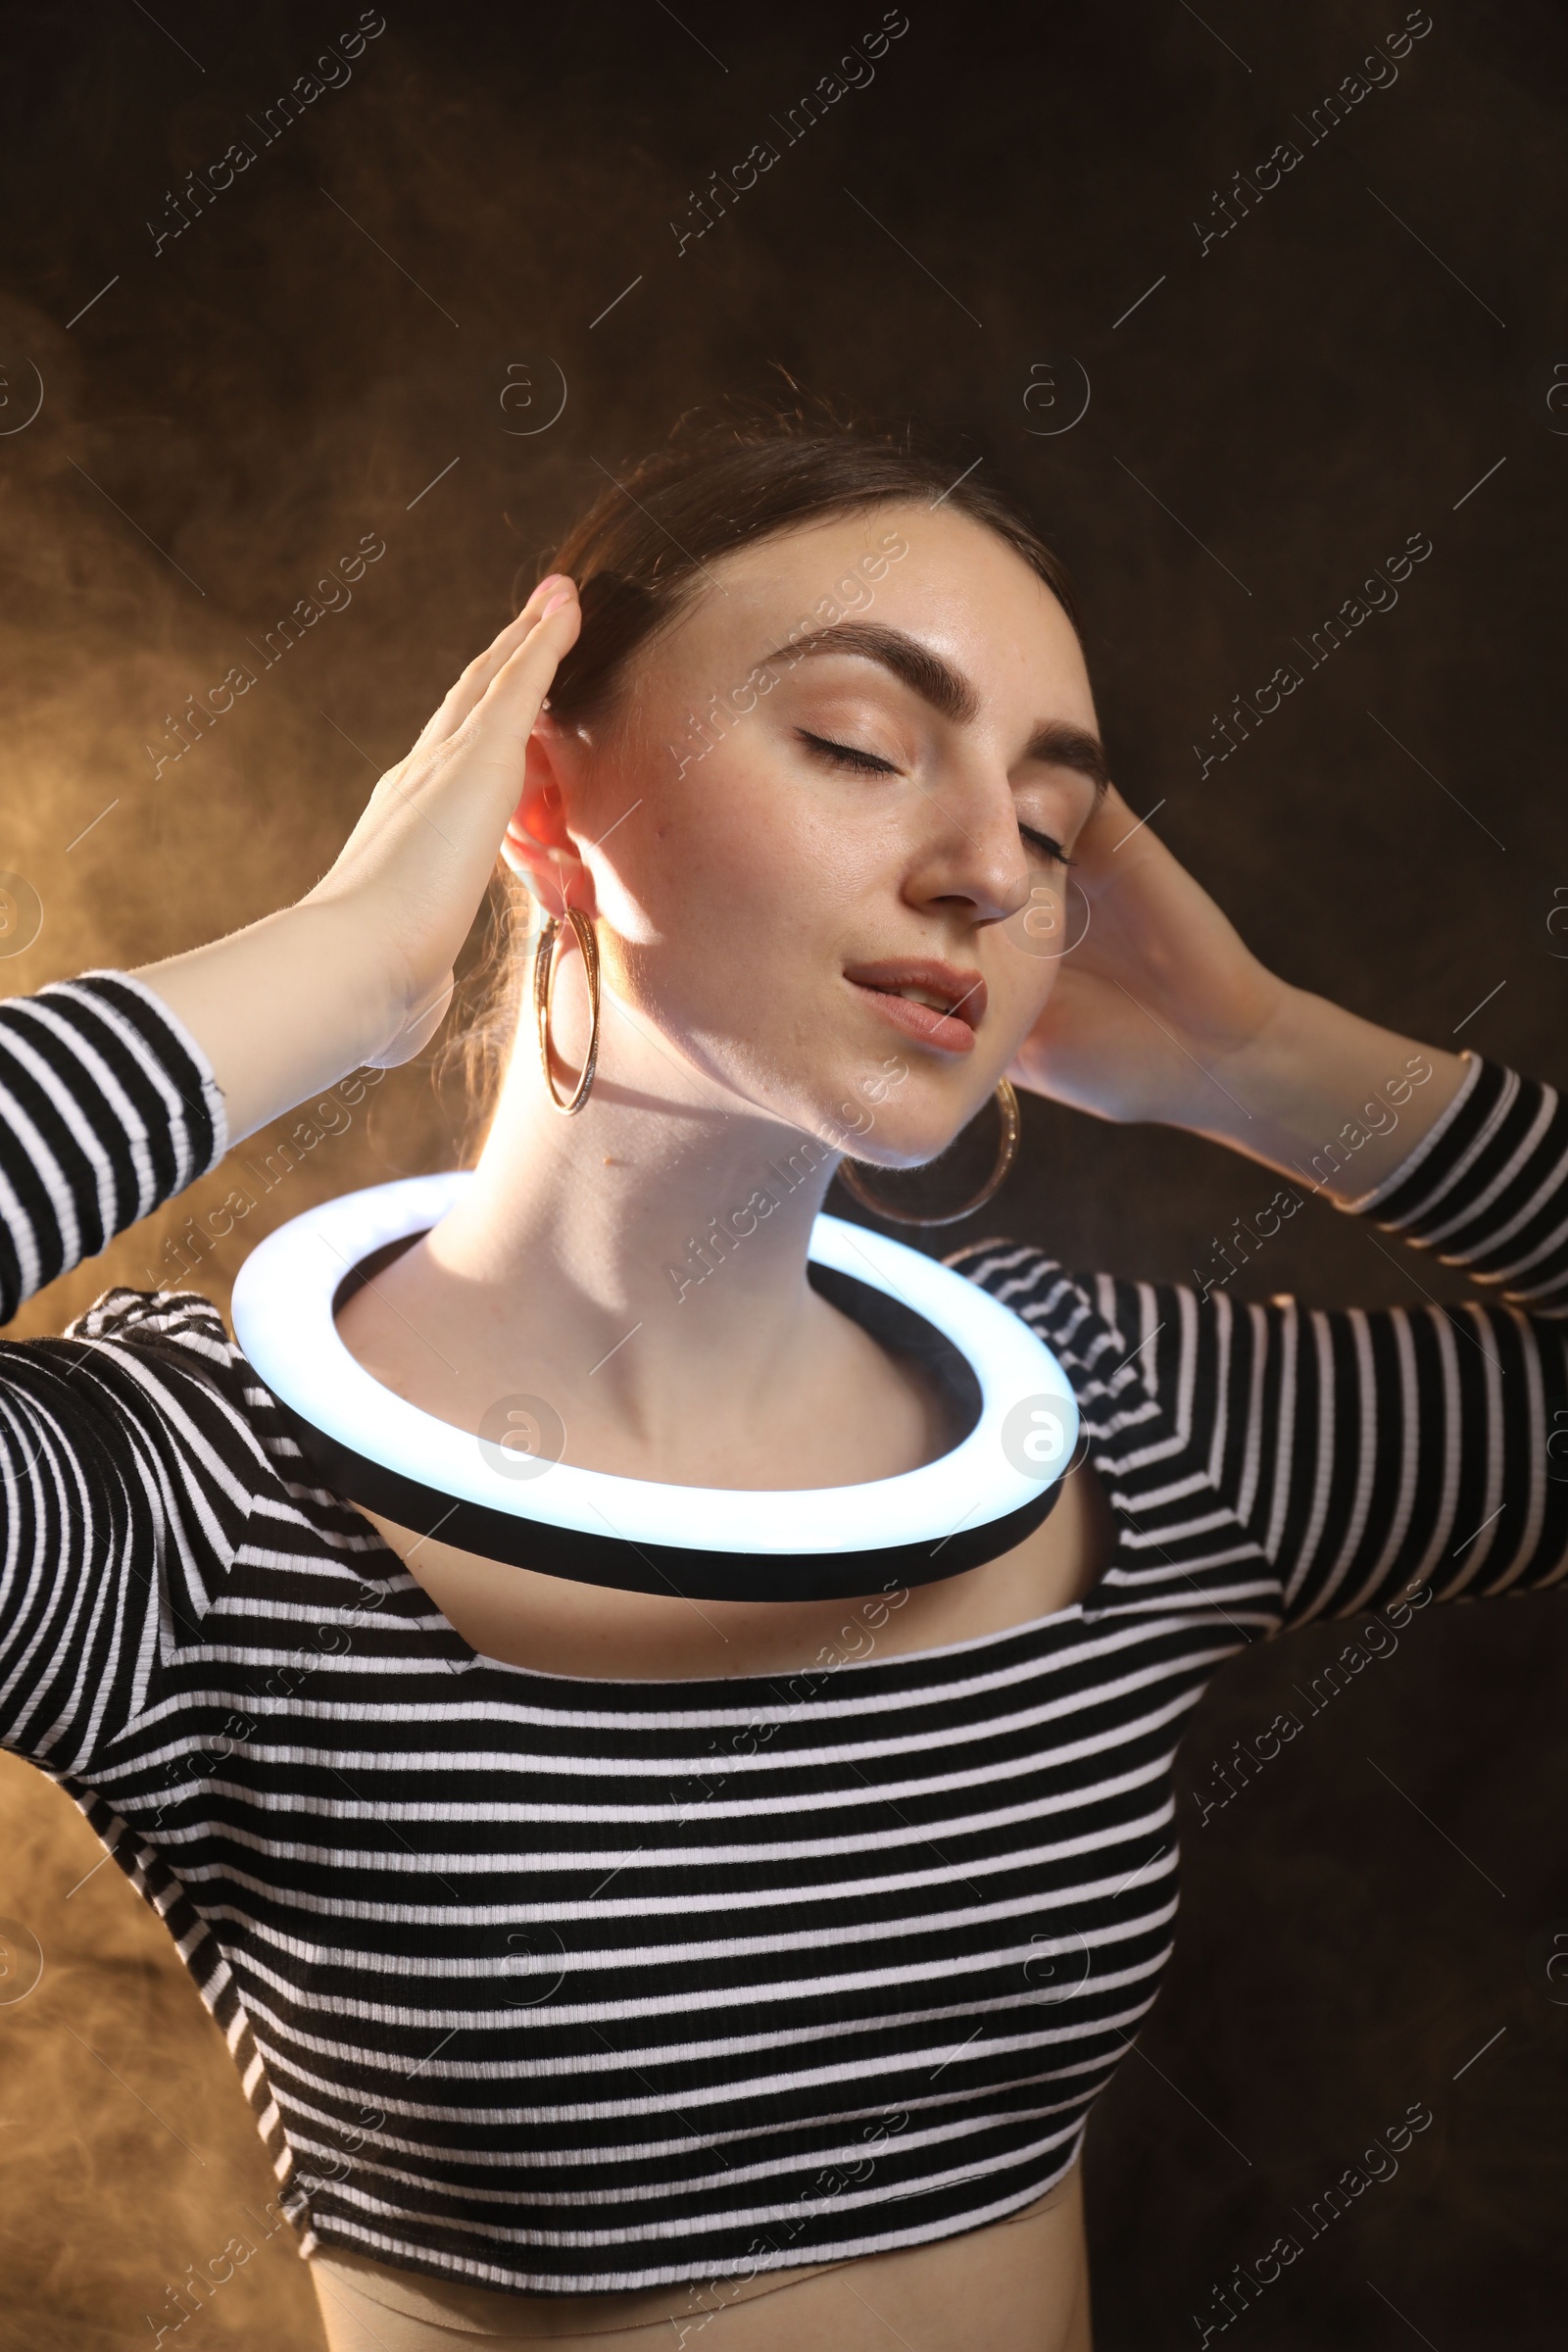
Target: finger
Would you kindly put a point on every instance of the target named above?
(1117, 842)
(1106, 826)
(475, 681)
(449, 790)
(510, 704)
(470, 688)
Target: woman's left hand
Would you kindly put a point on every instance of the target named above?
(1157, 995)
(1161, 1012)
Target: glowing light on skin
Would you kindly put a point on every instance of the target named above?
(970, 1506)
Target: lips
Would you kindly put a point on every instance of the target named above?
(936, 1004)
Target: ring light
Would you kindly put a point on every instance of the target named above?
(506, 1493)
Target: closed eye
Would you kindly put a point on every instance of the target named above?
(1049, 845)
(844, 754)
(847, 755)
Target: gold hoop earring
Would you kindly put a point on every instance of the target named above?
(543, 973)
(850, 1177)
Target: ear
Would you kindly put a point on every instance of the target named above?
(538, 846)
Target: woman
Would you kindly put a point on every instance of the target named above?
(595, 1971)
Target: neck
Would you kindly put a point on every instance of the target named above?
(655, 1244)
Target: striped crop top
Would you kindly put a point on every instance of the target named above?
(548, 1984)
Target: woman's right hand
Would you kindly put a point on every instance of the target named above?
(422, 852)
(360, 971)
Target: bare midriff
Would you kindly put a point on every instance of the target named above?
(1015, 2285)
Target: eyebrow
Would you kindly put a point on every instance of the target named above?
(947, 691)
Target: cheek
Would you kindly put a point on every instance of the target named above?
(726, 893)
(1023, 958)
(1019, 985)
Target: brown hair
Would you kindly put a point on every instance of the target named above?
(639, 556)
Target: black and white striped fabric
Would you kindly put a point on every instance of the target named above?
(552, 1984)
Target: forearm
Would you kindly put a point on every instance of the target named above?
(283, 1009)
(1322, 1094)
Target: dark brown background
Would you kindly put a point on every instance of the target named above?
(231, 414)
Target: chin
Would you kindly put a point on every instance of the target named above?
(882, 1144)
(892, 1110)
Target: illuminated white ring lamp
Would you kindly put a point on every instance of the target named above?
(375, 1449)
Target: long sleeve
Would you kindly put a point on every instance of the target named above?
(105, 1111)
(1366, 1450)
(1271, 1464)
(122, 1445)
(1487, 1189)
(1429, 1446)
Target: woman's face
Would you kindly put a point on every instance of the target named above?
(824, 839)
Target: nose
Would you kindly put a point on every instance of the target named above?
(971, 854)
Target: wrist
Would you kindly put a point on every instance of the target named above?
(287, 1007)
(1330, 1099)
(341, 953)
